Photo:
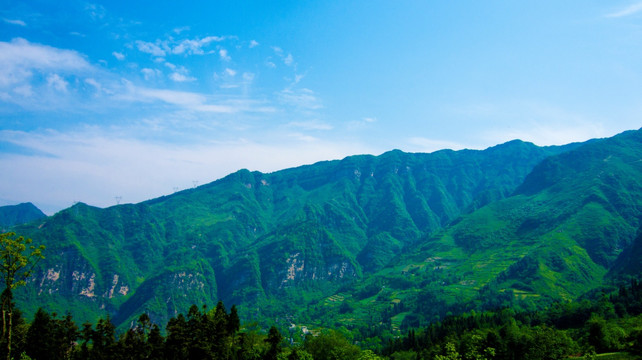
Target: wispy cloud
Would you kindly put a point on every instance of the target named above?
(195, 46)
(627, 11)
(179, 30)
(19, 59)
(14, 22)
(155, 49)
(57, 82)
(178, 77)
(303, 99)
(288, 60)
(311, 125)
(68, 162)
(153, 106)
(150, 74)
(421, 144)
(361, 123)
(96, 12)
(224, 55)
(543, 134)
(95, 84)
(187, 100)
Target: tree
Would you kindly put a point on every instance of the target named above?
(450, 353)
(233, 321)
(18, 259)
(274, 339)
(49, 337)
(330, 345)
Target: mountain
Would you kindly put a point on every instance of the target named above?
(571, 226)
(397, 240)
(19, 214)
(271, 243)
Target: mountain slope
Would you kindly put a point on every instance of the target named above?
(574, 219)
(253, 239)
(12, 215)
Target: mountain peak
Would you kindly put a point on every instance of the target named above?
(12, 215)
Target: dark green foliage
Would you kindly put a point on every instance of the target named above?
(564, 329)
(274, 340)
(51, 338)
(12, 215)
(558, 332)
(329, 345)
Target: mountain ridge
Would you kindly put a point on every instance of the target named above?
(301, 234)
(11, 215)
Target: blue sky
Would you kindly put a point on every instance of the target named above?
(132, 100)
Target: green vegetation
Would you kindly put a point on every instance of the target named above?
(369, 246)
(19, 214)
(17, 259)
(254, 239)
(603, 326)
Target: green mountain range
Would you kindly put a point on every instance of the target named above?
(12, 215)
(395, 240)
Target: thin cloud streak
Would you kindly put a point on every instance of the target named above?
(15, 22)
(629, 10)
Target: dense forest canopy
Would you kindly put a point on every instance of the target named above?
(605, 322)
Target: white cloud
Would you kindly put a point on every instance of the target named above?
(96, 12)
(179, 30)
(95, 84)
(156, 49)
(304, 99)
(224, 55)
(360, 124)
(303, 137)
(311, 125)
(195, 46)
(629, 10)
(178, 77)
(15, 22)
(421, 144)
(24, 90)
(57, 82)
(118, 56)
(20, 58)
(288, 60)
(87, 165)
(150, 74)
(230, 72)
(248, 76)
(253, 44)
(544, 134)
(187, 100)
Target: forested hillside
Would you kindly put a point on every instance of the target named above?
(604, 323)
(375, 243)
(12, 215)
